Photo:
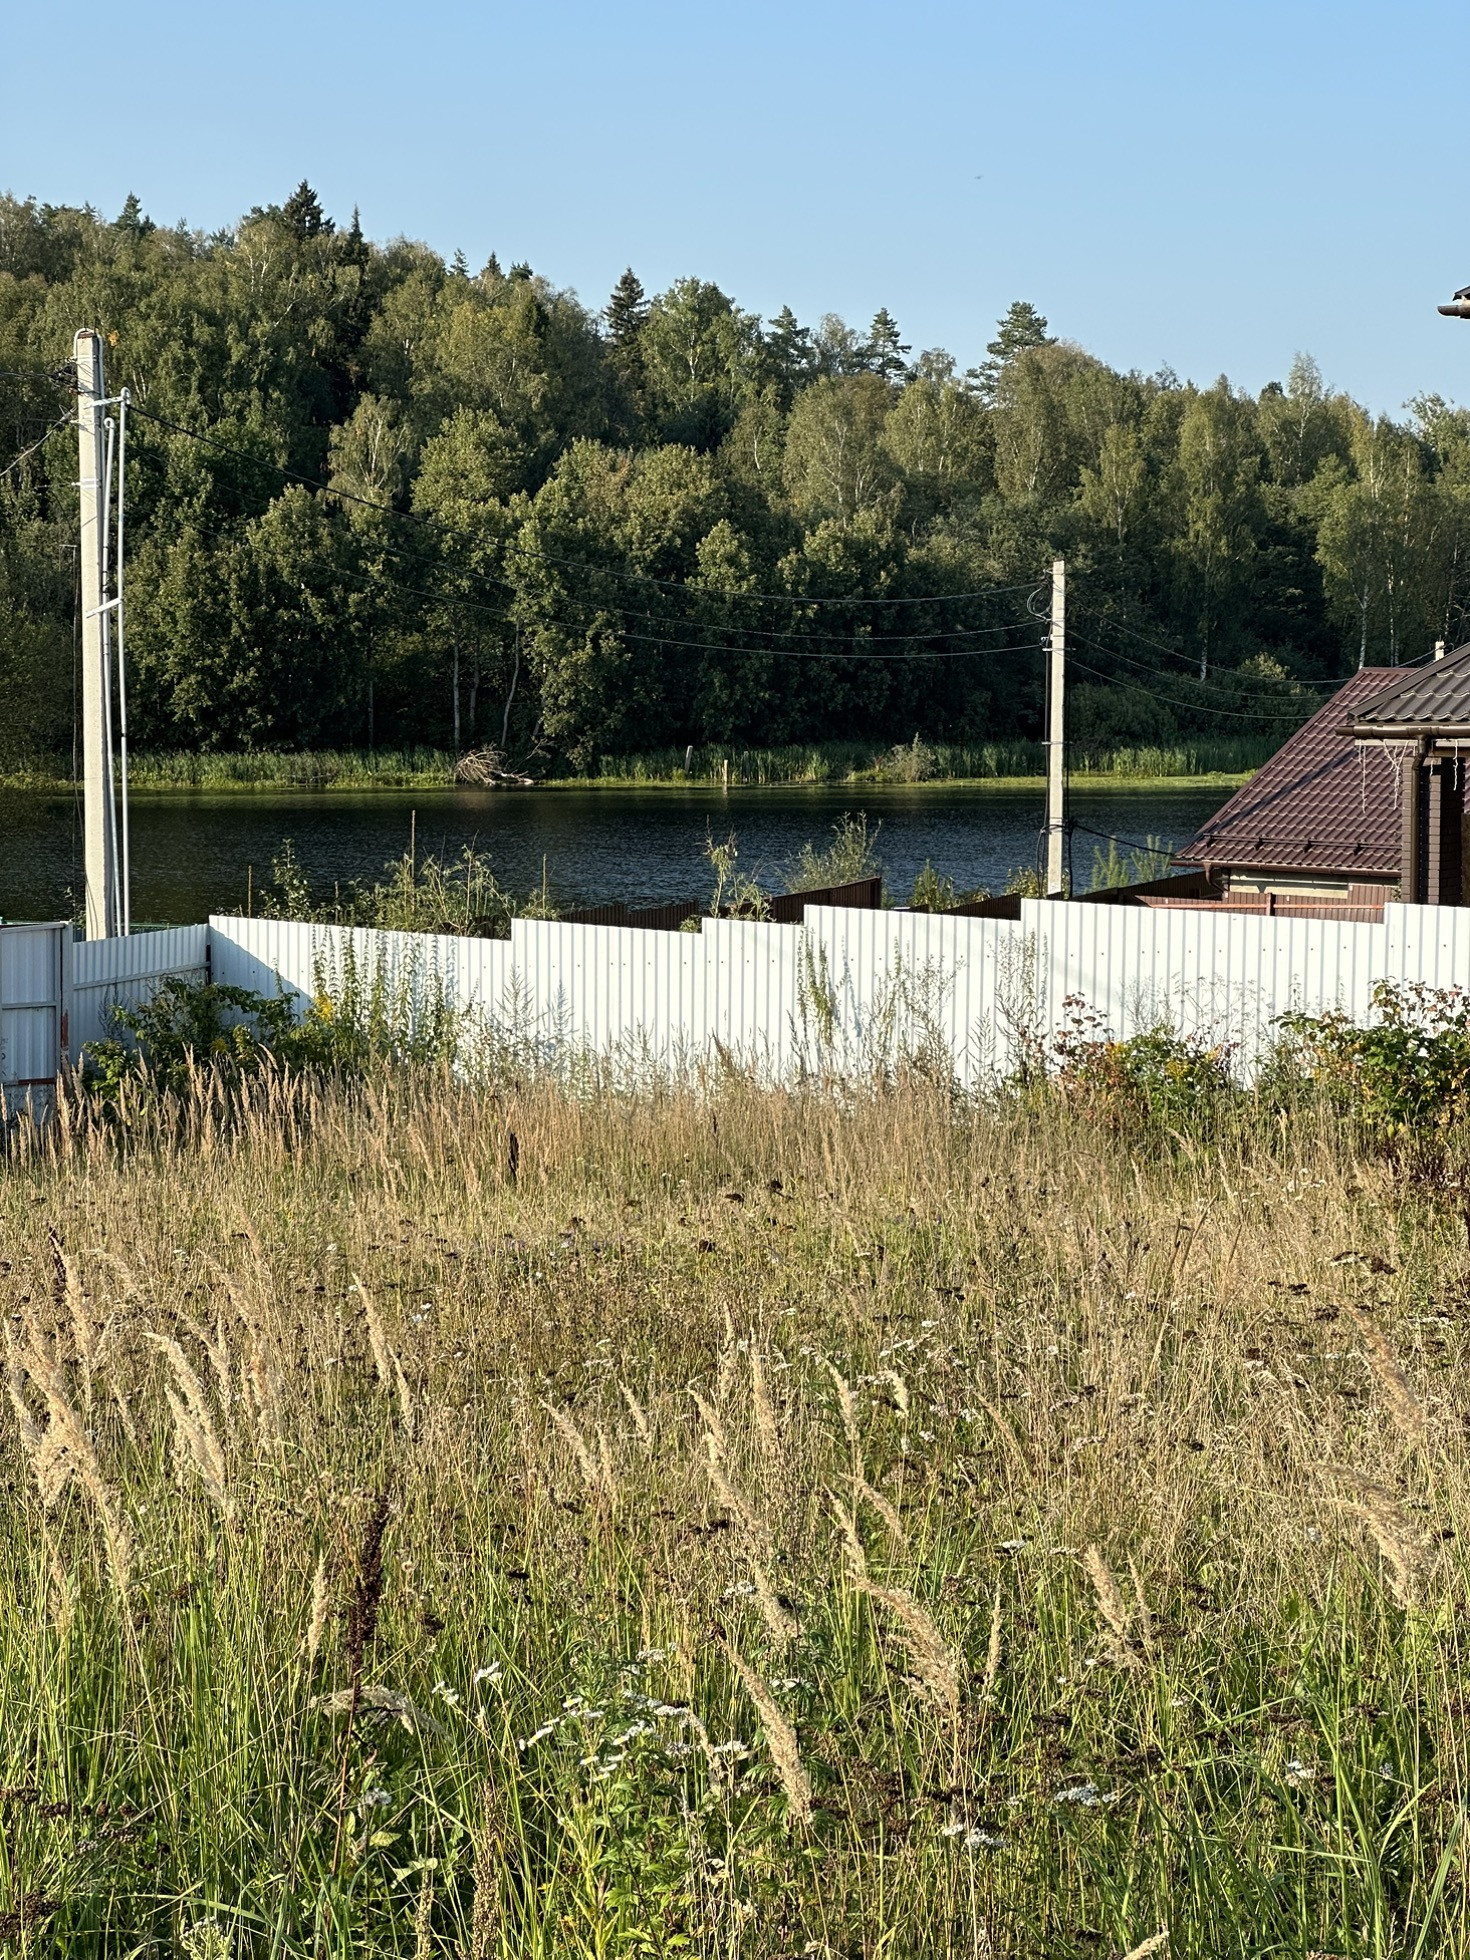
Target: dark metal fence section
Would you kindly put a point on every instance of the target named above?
(864, 895)
(1187, 886)
(787, 909)
(646, 918)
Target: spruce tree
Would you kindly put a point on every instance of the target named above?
(884, 352)
(303, 212)
(626, 311)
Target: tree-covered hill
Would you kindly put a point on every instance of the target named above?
(374, 498)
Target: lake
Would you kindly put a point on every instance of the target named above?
(192, 850)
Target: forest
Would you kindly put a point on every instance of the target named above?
(379, 499)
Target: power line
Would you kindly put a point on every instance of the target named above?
(1191, 707)
(16, 461)
(578, 564)
(1156, 673)
(398, 587)
(1107, 621)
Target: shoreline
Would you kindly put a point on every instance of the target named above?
(31, 784)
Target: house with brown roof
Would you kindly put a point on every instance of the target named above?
(1365, 802)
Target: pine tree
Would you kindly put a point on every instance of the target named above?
(1020, 327)
(790, 355)
(303, 212)
(884, 352)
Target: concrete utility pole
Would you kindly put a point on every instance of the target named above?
(1056, 724)
(99, 815)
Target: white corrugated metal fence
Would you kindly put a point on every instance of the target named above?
(845, 990)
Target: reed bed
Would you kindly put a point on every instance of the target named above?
(1015, 761)
(445, 1521)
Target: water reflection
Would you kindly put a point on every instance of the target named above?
(192, 852)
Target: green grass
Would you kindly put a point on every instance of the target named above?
(836, 763)
(739, 1456)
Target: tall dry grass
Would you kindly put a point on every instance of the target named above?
(759, 1525)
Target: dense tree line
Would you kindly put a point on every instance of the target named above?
(375, 498)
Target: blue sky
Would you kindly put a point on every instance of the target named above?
(1212, 187)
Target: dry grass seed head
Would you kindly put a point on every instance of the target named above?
(929, 1655)
(780, 1740)
(62, 1450)
(383, 1357)
(782, 1626)
(992, 1651)
(1398, 1540)
(1110, 1606)
(766, 1426)
(321, 1607)
(715, 1428)
(1403, 1405)
(847, 1408)
(194, 1430)
(863, 1490)
(489, 1842)
(852, 1544)
(596, 1471)
(640, 1417)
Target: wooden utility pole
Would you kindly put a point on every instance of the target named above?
(99, 815)
(1056, 723)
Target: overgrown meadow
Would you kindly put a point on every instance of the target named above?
(492, 1520)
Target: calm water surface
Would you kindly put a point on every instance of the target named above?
(191, 850)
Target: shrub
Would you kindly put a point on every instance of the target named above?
(852, 854)
(356, 1019)
(1157, 1078)
(935, 893)
(1405, 1076)
(414, 894)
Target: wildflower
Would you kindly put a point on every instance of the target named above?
(492, 1673)
(445, 1693)
(1086, 1795)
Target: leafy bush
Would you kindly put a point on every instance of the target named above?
(1405, 1077)
(415, 894)
(852, 854)
(1157, 1078)
(935, 893)
(182, 1028)
(908, 762)
(736, 894)
(356, 1018)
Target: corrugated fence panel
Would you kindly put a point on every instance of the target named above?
(752, 986)
(1429, 943)
(32, 993)
(848, 988)
(264, 954)
(109, 973)
(901, 981)
(1227, 976)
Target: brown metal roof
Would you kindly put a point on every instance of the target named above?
(1319, 804)
(1436, 695)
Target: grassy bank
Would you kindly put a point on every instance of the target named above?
(437, 1522)
(836, 763)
